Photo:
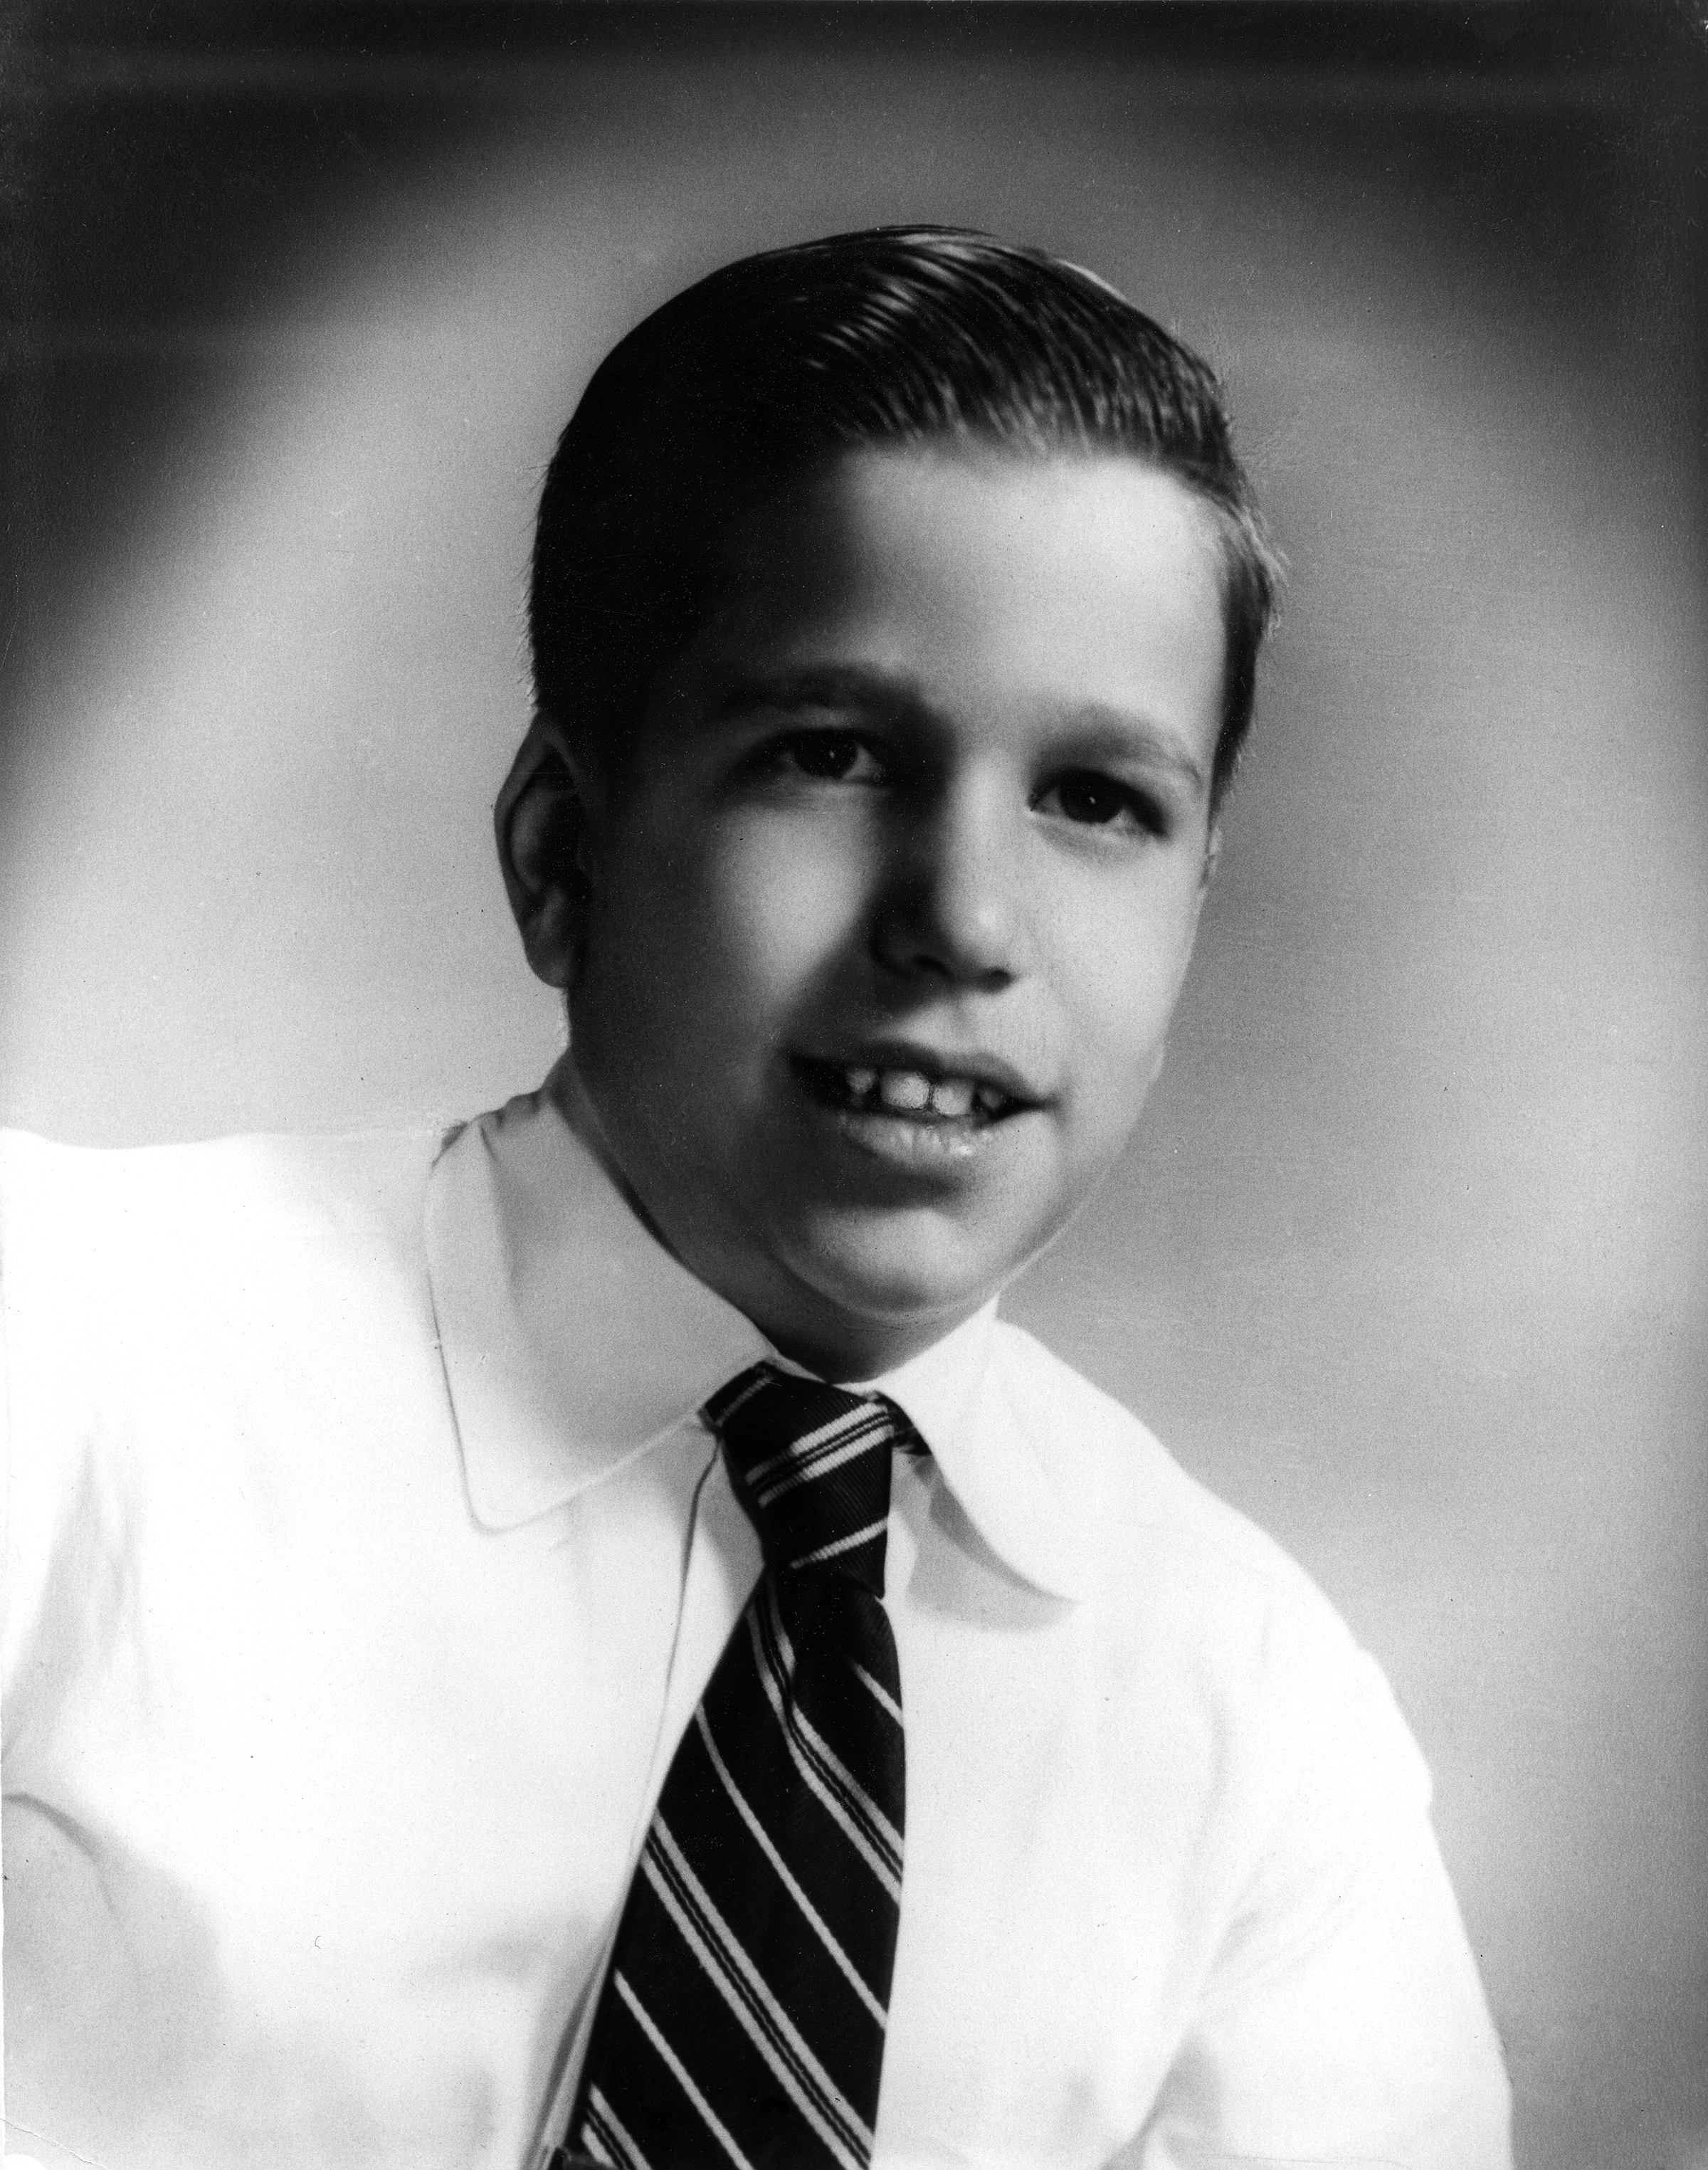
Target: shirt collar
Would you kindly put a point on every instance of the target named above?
(572, 1341)
(953, 1393)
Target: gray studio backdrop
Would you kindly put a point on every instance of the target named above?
(1408, 1260)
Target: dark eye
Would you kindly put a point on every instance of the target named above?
(831, 757)
(1096, 801)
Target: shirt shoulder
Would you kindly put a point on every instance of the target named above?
(1122, 1486)
(97, 1203)
(167, 1310)
(1189, 1590)
(123, 1270)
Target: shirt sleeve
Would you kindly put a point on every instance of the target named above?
(56, 1578)
(1343, 2023)
(25, 1505)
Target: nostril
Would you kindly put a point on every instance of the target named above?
(938, 934)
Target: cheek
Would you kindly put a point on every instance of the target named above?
(781, 901)
(733, 926)
(1118, 983)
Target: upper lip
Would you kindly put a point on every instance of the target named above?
(936, 1063)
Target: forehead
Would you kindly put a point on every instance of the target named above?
(1065, 580)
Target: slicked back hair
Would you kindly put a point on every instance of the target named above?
(774, 366)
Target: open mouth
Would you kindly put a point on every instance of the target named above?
(907, 1095)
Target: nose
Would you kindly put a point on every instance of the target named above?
(954, 907)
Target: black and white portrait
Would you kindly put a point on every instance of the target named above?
(1293, 1766)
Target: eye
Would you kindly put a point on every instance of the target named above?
(830, 757)
(1092, 800)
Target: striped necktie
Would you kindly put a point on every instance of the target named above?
(742, 2021)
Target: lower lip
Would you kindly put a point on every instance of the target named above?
(943, 1146)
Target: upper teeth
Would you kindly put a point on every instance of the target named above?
(904, 1088)
(911, 1091)
(951, 1096)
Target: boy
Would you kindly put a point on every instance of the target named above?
(586, 1638)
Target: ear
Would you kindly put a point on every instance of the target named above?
(1212, 854)
(542, 824)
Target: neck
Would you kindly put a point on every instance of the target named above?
(834, 1344)
(855, 1350)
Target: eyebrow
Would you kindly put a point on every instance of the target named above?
(854, 685)
(830, 686)
(1133, 730)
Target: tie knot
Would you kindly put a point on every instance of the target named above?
(811, 1465)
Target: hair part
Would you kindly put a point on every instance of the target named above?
(777, 365)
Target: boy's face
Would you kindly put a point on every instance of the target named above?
(888, 919)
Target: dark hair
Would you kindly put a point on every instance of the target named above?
(776, 363)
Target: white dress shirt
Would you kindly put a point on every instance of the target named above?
(366, 1558)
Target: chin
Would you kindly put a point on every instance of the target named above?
(896, 1274)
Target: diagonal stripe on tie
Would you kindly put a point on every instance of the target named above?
(802, 1827)
(828, 1941)
(608, 2139)
(743, 2020)
(774, 1911)
(751, 1998)
(704, 2109)
(861, 1818)
(831, 1444)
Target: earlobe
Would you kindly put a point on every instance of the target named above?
(540, 826)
